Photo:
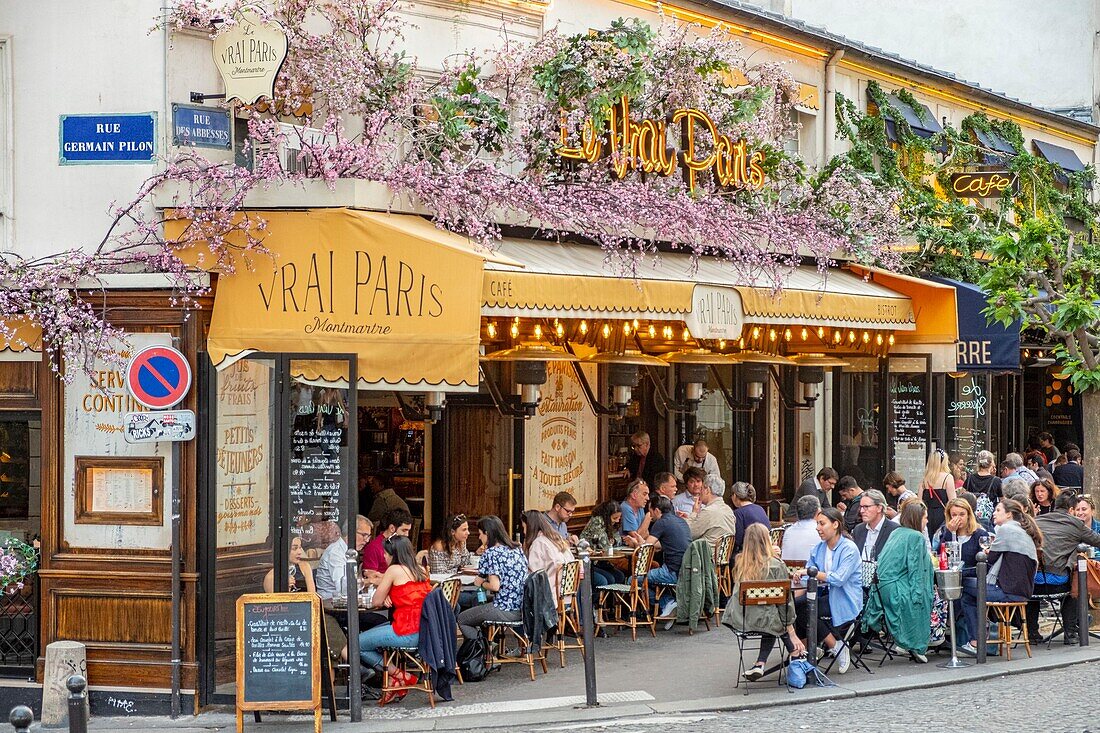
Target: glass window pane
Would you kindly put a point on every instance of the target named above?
(967, 416)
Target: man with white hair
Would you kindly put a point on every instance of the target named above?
(714, 517)
(1014, 487)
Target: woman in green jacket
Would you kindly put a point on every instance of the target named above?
(901, 600)
(755, 562)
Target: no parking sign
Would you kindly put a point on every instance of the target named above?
(158, 377)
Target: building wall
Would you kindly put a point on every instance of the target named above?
(71, 57)
(1041, 53)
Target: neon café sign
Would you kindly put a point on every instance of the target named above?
(633, 145)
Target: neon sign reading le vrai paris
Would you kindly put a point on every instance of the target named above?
(633, 145)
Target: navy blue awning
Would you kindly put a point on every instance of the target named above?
(982, 346)
(1064, 158)
(922, 121)
(993, 141)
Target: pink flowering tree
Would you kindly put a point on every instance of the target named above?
(481, 144)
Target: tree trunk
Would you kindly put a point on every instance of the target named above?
(1090, 441)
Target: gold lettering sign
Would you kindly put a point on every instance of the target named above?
(643, 145)
(249, 55)
(982, 185)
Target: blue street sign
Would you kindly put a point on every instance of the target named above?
(106, 139)
(203, 127)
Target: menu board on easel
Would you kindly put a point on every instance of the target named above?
(909, 425)
(279, 654)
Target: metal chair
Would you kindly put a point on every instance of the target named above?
(1004, 614)
(760, 593)
(569, 615)
(631, 597)
(1050, 609)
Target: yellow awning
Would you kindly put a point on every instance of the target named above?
(25, 343)
(571, 281)
(393, 289)
(935, 313)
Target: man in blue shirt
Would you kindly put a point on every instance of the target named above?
(669, 534)
(633, 509)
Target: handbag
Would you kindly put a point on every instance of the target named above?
(1092, 579)
(471, 658)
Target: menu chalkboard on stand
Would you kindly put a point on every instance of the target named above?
(909, 424)
(279, 654)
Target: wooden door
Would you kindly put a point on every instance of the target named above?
(480, 466)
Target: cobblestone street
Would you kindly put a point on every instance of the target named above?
(1021, 703)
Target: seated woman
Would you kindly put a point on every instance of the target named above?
(1042, 496)
(300, 573)
(602, 532)
(902, 600)
(837, 568)
(755, 562)
(403, 587)
(545, 548)
(962, 526)
(449, 554)
(1013, 558)
(1085, 510)
(502, 571)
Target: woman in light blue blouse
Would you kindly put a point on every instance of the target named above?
(502, 570)
(837, 565)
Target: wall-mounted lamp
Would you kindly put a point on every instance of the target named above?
(529, 374)
(623, 372)
(694, 365)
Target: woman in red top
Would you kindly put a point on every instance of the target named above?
(403, 588)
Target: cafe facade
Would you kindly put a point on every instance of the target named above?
(470, 381)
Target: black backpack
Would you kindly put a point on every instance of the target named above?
(472, 658)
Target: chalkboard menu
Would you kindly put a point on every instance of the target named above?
(318, 464)
(278, 653)
(909, 425)
(966, 417)
(909, 409)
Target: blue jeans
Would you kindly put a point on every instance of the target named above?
(993, 594)
(372, 640)
(662, 576)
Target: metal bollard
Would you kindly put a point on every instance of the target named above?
(983, 615)
(21, 718)
(583, 548)
(355, 672)
(78, 704)
(811, 614)
(1082, 594)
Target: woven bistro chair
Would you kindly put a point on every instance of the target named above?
(1004, 614)
(451, 588)
(760, 593)
(569, 615)
(631, 597)
(723, 557)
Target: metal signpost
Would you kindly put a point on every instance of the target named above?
(159, 377)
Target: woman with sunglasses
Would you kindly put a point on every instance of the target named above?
(449, 554)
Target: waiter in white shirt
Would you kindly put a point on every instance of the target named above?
(697, 456)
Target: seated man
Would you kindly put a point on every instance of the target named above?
(331, 572)
(561, 511)
(849, 491)
(396, 522)
(666, 485)
(819, 486)
(1062, 532)
(684, 503)
(669, 534)
(715, 517)
(635, 520)
(801, 537)
(870, 536)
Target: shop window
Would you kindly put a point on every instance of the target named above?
(859, 448)
(20, 473)
(967, 415)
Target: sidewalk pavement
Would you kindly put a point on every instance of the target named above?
(670, 674)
